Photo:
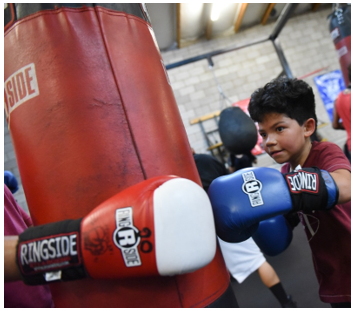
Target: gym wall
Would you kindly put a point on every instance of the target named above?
(306, 43)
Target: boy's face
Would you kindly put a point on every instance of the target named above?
(284, 139)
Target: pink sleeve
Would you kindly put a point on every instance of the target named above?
(27, 219)
(15, 218)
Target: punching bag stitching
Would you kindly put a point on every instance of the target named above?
(178, 291)
(46, 12)
(102, 10)
(121, 14)
(201, 303)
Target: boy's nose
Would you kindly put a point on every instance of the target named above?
(270, 140)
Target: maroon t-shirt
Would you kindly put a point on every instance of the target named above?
(329, 232)
(17, 294)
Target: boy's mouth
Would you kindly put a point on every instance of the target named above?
(276, 152)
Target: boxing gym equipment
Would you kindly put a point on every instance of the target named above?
(273, 236)
(145, 245)
(340, 30)
(233, 140)
(242, 199)
(237, 131)
(90, 111)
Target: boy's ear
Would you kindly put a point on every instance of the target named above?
(309, 127)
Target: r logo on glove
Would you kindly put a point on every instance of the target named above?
(252, 187)
(127, 237)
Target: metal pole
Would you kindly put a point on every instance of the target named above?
(282, 58)
(282, 19)
(214, 53)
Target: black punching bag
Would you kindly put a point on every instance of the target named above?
(237, 131)
(340, 29)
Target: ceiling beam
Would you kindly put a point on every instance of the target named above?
(209, 29)
(315, 6)
(240, 16)
(267, 13)
(178, 18)
(208, 9)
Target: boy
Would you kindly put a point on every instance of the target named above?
(285, 112)
(242, 259)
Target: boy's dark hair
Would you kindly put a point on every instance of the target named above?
(292, 97)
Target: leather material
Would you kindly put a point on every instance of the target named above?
(339, 24)
(151, 228)
(242, 199)
(237, 131)
(102, 117)
(273, 236)
(22, 10)
(227, 300)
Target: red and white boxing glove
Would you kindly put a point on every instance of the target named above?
(161, 226)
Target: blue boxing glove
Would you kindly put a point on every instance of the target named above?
(10, 181)
(273, 236)
(242, 199)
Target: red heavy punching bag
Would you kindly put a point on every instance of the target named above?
(91, 112)
(340, 29)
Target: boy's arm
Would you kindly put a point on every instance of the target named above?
(336, 124)
(11, 272)
(342, 178)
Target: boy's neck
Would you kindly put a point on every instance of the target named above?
(304, 155)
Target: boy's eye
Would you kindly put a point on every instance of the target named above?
(280, 129)
(263, 135)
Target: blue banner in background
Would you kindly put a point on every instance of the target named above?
(330, 85)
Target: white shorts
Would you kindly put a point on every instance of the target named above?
(242, 258)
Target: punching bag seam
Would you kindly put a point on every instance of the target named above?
(117, 12)
(103, 11)
(121, 14)
(189, 289)
(223, 288)
(179, 292)
(201, 304)
(46, 12)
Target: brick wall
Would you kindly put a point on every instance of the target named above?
(306, 43)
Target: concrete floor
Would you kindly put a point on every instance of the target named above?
(296, 272)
